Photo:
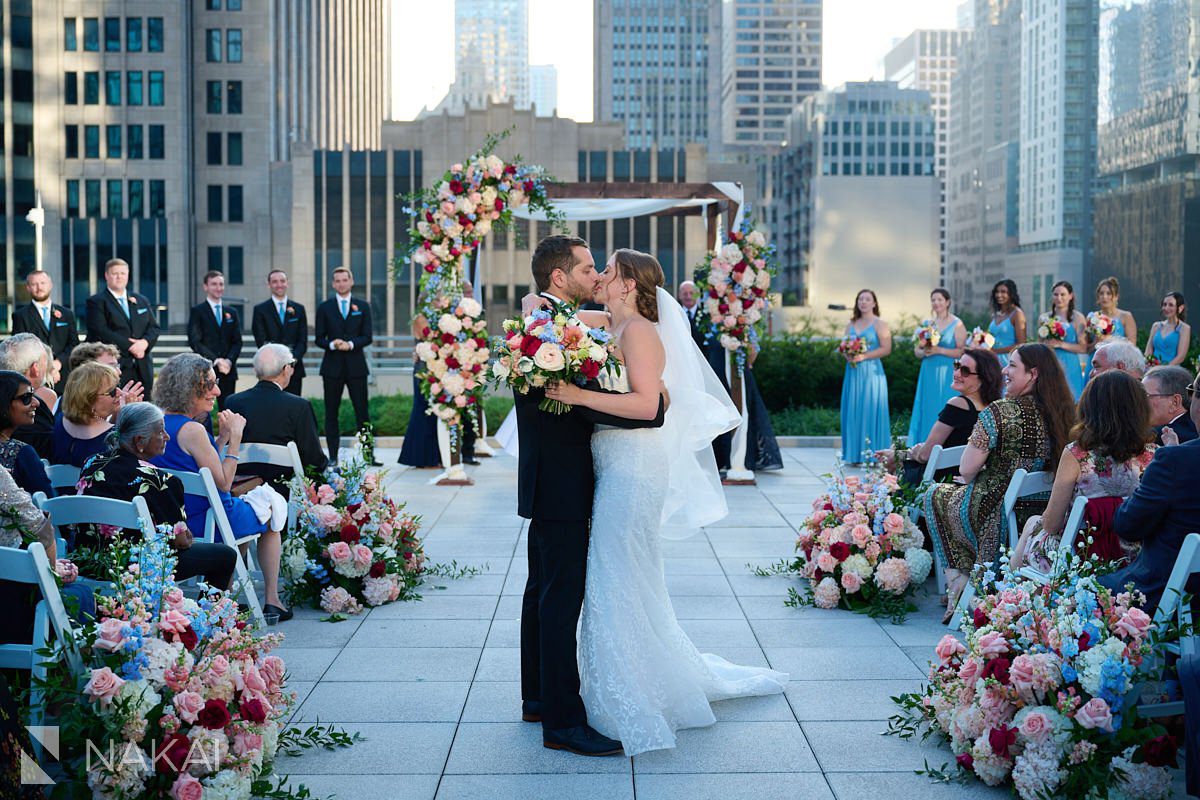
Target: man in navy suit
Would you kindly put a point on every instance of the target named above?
(125, 320)
(343, 331)
(48, 321)
(282, 321)
(1167, 388)
(215, 332)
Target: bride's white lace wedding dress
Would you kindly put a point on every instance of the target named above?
(641, 677)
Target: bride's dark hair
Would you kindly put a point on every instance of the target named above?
(647, 275)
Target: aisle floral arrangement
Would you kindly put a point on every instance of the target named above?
(454, 350)
(1099, 325)
(927, 334)
(354, 546)
(858, 550)
(181, 698)
(1038, 695)
(734, 283)
(978, 337)
(1051, 328)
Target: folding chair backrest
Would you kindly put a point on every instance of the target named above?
(276, 455)
(201, 484)
(30, 566)
(1023, 484)
(942, 458)
(63, 476)
(1187, 564)
(82, 510)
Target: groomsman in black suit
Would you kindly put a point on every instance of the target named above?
(282, 321)
(48, 321)
(125, 320)
(343, 331)
(695, 313)
(215, 332)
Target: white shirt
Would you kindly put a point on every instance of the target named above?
(116, 296)
(213, 305)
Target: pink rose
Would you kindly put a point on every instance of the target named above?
(219, 666)
(861, 497)
(174, 598)
(853, 481)
(851, 582)
(186, 787)
(1095, 713)
(253, 680)
(969, 670)
(991, 644)
(173, 621)
(103, 685)
(826, 562)
(245, 742)
(1134, 623)
(339, 551)
(363, 555)
(176, 677)
(893, 523)
(273, 670)
(111, 638)
(325, 494)
(66, 569)
(948, 648)
(860, 535)
(1021, 673)
(188, 704)
(1035, 727)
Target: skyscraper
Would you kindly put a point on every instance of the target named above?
(17, 188)
(770, 61)
(543, 89)
(652, 68)
(491, 54)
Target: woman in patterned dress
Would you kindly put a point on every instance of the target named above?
(1026, 430)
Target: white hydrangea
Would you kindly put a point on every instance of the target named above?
(130, 766)
(1037, 772)
(470, 306)
(857, 564)
(1091, 663)
(920, 562)
(756, 238)
(227, 785)
(295, 559)
(910, 537)
(448, 323)
(1139, 781)
(377, 591)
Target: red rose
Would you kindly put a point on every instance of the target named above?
(430, 268)
(214, 715)
(723, 308)
(425, 332)
(839, 550)
(350, 534)
(713, 293)
(818, 575)
(172, 754)
(189, 639)
(447, 338)
(510, 170)
(455, 252)
(429, 216)
(1001, 739)
(979, 618)
(253, 710)
(827, 507)
(736, 333)
(378, 569)
(747, 302)
(739, 267)
(759, 292)
(471, 400)
(464, 220)
(480, 341)
(997, 668)
(589, 368)
(530, 345)
(966, 761)
(1161, 752)
(452, 362)
(476, 368)
(736, 236)
(428, 245)
(1085, 642)
(529, 187)
(456, 187)
(499, 204)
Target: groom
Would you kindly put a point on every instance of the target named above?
(555, 485)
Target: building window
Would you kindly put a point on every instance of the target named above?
(212, 45)
(233, 92)
(216, 259)
(91, 34)
(116, 199)
(156, 87)
(134, 143)
(233, 150)
(71, 42)
(154, 34)
(157, 141)
(91, 88)
(72, 198)
(91, 141)
(233, 45)
(133, 34)
(158, 198)
(216, 203)
(133, 88)
(72, 140)
(112, 34)
(236, 262)
(212, 94)
(233, 5)
(91, 191)
(112, 88)
(235, 204)
(71, 88)
(213, 148)
(136, 208)
(212, 5)
(112, 134)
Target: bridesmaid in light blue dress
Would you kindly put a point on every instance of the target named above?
(1170, 337)
(866, 426)
(937, 368)
(1008, 320)
(1069, 350)
(1108, 293)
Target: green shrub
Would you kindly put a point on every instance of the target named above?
(808, 421)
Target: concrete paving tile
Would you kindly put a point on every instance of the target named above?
(846, 699)
(494, 701)
(395, 701)
(404, 664)
(806, 632)
(745, 786)
(504, 633)
(707, 633)
(707, 565)
(306, 663)
(689, 585)
(499, 664)
(536, 787)
(733, 747)
(768, 607)
(369, 787)
(515, 748)
(311, 632)
(383, 632)
(706, 607)
(440, 607)
(489, 584)
(832, 663)
(841, 746)
(413, 747)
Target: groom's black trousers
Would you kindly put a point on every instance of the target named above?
(549, 618)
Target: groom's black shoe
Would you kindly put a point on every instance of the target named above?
(531, 711)
(583, 740)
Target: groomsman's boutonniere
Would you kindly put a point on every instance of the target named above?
(354, 307)
(131, 299)
(291, 310)
(57, 314)
(228, 317)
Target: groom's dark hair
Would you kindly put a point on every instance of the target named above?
(554, 252)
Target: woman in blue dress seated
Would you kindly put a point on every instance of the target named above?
(18, 404)
(1071, 347)
(1008, 320)
(185, 389)
(90, 399)
(865, 421)
(937, 367)
(1170, 337)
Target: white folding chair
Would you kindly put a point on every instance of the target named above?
(939, 458)
(31, 567)
(63, 476)
(216, 522)
(1187, 564)
(82, 510)
(275, 455)
(1066, 543)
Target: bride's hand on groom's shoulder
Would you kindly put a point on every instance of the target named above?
(531, 302)
(567, 393)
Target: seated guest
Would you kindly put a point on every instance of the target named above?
(90, 399)
(979, 383)
(132, 391)
(1026, 430)
(123, 472)
(186, 388)
(17, 407)
(26, 354)
(1120, 354)
(275, 417)
(1159, 514)
(53, 377)
(1167, 388)
(1108, 452)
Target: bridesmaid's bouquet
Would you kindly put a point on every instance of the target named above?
(927, 335)
(851, 346)
(1099, 325)
(549, 347)
(1051, 328)
(981, 338)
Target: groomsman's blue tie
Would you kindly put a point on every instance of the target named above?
(124, 301)
(46, 316)
(345, 308)
(217, 311)
(281, 315)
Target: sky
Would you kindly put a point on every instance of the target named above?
(857, 34)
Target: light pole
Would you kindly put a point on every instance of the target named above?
(37, 217)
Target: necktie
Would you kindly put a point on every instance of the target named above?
(46, 316)
(217, 311)
(124, 301)
(345, 308)
(281, 319)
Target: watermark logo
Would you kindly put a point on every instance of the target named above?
(31, 773)
(178, 753)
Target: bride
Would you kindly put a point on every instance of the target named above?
(641, 677)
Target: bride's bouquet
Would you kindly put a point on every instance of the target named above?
(980, 338)
(550, 347)
(851, 346)
(927, 335)
(1099, 325)
(1050, 328)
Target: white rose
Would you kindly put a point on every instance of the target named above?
(453, 383)
(730, 343)
(489, 197)
(516, 198)
(442, 251)
(500, 371)
(426, 351)
(470, 306)
(448, 323)
(748, 277)
(763, 279)
(493, 162)
(438, 367)
(549, 357)
(525, 365)
(425, 229)
(483, 227)
(731, 254)
(597, 353)
(756, 238)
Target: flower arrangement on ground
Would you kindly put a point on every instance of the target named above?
(857, 552)
(454, 350)
(1099, 325)
(927, 334)
(1038, 695)
(978, 337)
(734, 283)
(850, 346)
(1051, 328)
(550, 346)
(354, 546)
